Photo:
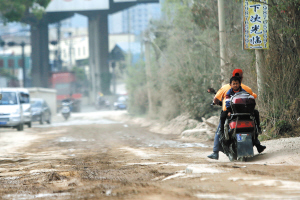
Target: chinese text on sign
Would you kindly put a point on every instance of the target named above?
(255, 25)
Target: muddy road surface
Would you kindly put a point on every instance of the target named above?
(92, 157)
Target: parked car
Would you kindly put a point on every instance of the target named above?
(26, 106)
(11, 111)
(40, 111)
(121, 103)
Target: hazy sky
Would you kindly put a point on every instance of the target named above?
(77, 21)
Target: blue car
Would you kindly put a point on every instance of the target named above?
(121, 103)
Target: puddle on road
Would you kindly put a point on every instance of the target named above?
(71, 139)
(77, 122)
(55, 132)
(28, 196)
(258, 181)
(11, 142)
(203, 169)
(137, 152)
(193, 170)
(145, 164)
(243, 196)
(178, 174)
(217, 196)
(12, 178)
(38, 171)
(173, 144)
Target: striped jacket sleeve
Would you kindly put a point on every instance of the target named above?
(227, 100)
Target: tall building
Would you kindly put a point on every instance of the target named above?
(135, 19)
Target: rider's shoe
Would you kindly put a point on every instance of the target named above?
(214, 155)
(260, 148)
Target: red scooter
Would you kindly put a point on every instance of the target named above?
(240, 130)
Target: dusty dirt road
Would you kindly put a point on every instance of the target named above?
(90, 157)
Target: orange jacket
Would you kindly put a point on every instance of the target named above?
(221, 94)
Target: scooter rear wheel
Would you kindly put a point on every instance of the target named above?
(232, 157)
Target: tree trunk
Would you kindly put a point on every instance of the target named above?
(222, 35)
(260, 62)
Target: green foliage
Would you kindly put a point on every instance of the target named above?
(14, 10)
(185, 62)
(82, 83)
(6, 73)
(280, 104)
(79, 74)
(283, 127)
(205, 14)
(137, 88)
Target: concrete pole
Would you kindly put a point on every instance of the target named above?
(129, 34)
(70, 51)
(103, 56)
(98, 36)
(23, 64)
(260, 62)
(92, 65)
(148, 75)
(59, 62)
(40, 72)
(113, 66)
(222, 35)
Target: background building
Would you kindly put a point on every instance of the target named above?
(135, 19)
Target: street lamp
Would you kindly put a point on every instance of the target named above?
(22, 44)
(2, 43)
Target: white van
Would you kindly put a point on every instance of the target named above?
(11, 110)
(25, 102)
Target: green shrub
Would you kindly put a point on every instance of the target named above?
(283, 127)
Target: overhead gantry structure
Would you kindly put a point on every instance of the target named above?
(97, 14)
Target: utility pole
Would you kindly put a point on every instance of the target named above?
(129, 42)
(70, 50)
(113, 66)
(23, 64)
(59, 63)
(222, 35)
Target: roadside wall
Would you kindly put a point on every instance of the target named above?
(49, 95)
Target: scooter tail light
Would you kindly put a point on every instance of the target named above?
(243, 101)
(241, 124)
(238, 101)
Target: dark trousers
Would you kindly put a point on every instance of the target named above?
(217, 146)
(256, 115)
(222, 120)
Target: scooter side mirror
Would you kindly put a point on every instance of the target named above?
(211, 91)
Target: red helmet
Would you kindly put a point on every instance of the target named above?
(237, 72)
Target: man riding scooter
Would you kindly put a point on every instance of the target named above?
(219, 99)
